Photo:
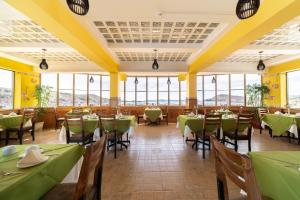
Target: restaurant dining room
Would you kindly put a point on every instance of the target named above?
(150, 100)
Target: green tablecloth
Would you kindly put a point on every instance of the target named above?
(34, 182)
(280, 123)
(153, 113)
(196, 124)
(7, 121)
(91, 124)
(277, 174)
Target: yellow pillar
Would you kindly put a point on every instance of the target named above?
(114, 88)
(17, 90)
(191, 81)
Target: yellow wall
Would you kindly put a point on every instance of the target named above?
(191, 85)
(26, 79)
(114, 85)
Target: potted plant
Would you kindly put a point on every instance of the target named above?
(42, 94)
(256, 94)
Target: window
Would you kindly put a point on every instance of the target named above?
(65, 90)
(141, 91)
(253, 80)
(80, 95)
(122, 92)
(237, 90)
(210, 90)
(183, 92)
(94, 90)
(105, 95)
(130, 91)
(6, 89)
(222, 90)
(163, 96)
(152, 91)
(293, 92)
(200, 90)
(174, 91)
(50, 80)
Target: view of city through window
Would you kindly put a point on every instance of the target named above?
(6, 89)
(293, 92)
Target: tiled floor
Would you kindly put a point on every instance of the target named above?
(159, 165)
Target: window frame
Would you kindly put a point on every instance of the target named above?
(12, 88)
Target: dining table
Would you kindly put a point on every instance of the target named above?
(153, 114)
(195, 123)
(34, 182)
(281, 123)
(10, 121)
(125, 123)
(277, 173)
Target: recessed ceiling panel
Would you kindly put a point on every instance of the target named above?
(249, 58)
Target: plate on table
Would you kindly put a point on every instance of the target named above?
(31, 164)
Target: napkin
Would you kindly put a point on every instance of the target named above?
(191, 114)
(12, 114)
(31, 158)
(278, 113)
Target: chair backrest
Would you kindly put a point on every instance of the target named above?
(126, 111)
(90, 177)
(262, 111)
(187, 111)
(74, 123)
(238, 168)
(107, 123)
(77, 110)
(113, 111)
(100, 112)
(212, 122)
(28, 116)
(244, 121)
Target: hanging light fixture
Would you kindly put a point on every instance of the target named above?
(44, 64)
(80, 7)
(213, 80)
(247, 8)
(136, 81)
(155, 65)
(92, 79)
(169, 81)
(261, 66)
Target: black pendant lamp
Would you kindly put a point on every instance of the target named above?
(155, 65)
(213, 80)
(169, 81)
(44, 64)
(261, 66)
(247, 8)
(80, 7)
(136, 81)
(92, 79)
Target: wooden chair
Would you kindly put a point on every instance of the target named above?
(100, 112)
(125, 111)
(77, 110)
(261, 112)
(187, 111)
(244, 123)
(75, 124)
(212, 126)
(58, 120)
(27, 125)
(165, 115)
(90, 177)
(107, 126)
(238, 168)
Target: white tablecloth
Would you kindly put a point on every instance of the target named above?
(145, 117)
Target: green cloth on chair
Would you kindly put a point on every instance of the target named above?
(153, 113)
(36, 181)
(280, 123)
(277, 173)
(10, 121)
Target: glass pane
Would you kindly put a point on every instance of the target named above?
(122, 95)
(152, 98)
(222, 90)
(209, 98)
(65, 89)
(174, 98)
(252, 80)
(105, 82)
(130, 84)
(162, 84)
(183, 92)
(200, 97)
(50, 80)
(200, 90)
(237, 81)
(141, 86)
(130, 98)
(163, 98)
(141, 98)
(237, 97)
(94, 90)
(208, 83)
(293, 92)
(80, 89)
(105, 98)
(152, 84)
(174, 86)
(6, 89)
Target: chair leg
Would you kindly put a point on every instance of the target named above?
(20, 134)
(235, 145)
(33, 135)
(220, 186)
(260, 130)
(196, 142)
(270, 132)
(249, 144)
(289, 137)
(128, 138)
(203, 149)
(115, 145)
(6, 137)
